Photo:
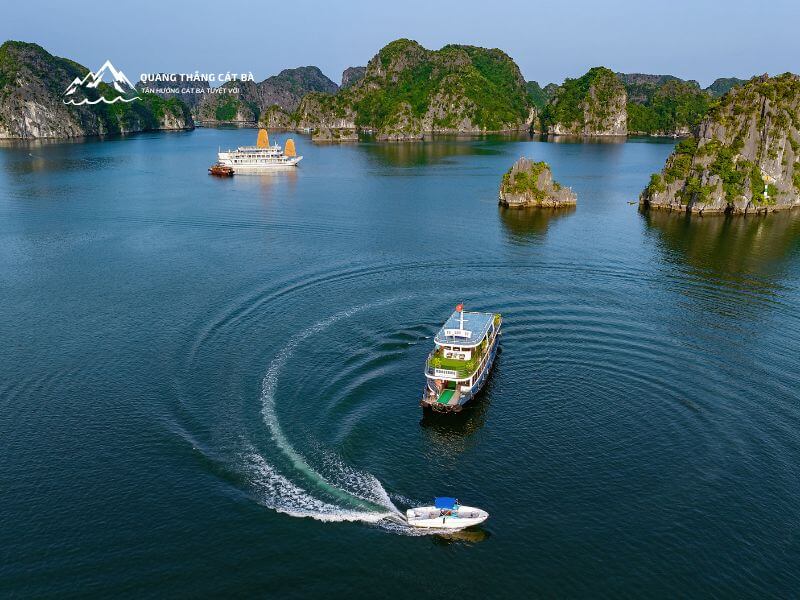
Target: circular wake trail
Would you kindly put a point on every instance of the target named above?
(364, 500)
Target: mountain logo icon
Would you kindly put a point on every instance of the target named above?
(89, 91)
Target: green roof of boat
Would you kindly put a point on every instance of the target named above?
(476, 323)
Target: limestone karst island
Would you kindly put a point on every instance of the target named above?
(434, 300)
(743, 157)
(528, 184)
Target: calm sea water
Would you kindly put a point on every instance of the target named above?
(210, 387)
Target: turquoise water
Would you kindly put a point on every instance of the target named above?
(210, 387)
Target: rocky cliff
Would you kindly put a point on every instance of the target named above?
(177, 82)
(744, 156)
(659, 105)
(274, 117)
(352, 75)
(252, 101)
(540, 97)
(594, 104)
(32, 84)
(530, 184)
(408, 90)
(323, 111)
(663, 104)
(325, 134)
(723, 85)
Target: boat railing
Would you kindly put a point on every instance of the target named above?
(272, 147)
(454, 368)
(419, 514)
(461, 368)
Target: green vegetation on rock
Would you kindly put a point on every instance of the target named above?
(251, 102)
(590, 105)
(674, 107)
(538, 97)
(723, 85)
(226, 109)
(529, 183)
(744, 157)
(526, 181)
(32, 82)
(408, 89)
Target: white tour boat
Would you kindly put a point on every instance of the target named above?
(446, 513)
(261, 157)
(458, 367)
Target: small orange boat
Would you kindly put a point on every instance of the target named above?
(219, 170)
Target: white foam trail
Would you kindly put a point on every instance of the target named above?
(278, 493)
(284, 496)
(405, 500)
(364, 486)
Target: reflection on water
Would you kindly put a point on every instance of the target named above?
(41, 156)
(578, 139)
(626, 395)
(42, 142)
(434, 150)
(465, 536)
(268, 181)
(729, 247)
(449, 434)
(523, 225)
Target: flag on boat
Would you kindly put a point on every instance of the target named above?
(459, 307)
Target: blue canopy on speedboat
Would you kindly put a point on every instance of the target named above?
(448, 503)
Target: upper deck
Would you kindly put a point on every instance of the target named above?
(476, 326)
(274, 150)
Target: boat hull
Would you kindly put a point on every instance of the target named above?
(430, 517)
(220, 171)
(262, 168)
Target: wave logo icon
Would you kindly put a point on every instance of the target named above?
(93, 88)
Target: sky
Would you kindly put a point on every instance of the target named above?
(549, 41)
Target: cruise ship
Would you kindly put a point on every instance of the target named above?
(261, 157)
(463, 355)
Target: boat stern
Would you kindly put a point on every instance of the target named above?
(442, 401)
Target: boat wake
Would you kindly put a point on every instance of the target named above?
(282, 495)
(343, 493)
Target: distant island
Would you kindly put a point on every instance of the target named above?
(270, 102)
(407, 91)
(32, 82)
(744, 156)
(404, 93)
(594, 104)
(666, 105)
(351, 76)
(530, 184)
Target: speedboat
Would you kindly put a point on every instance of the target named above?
(446, 513)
